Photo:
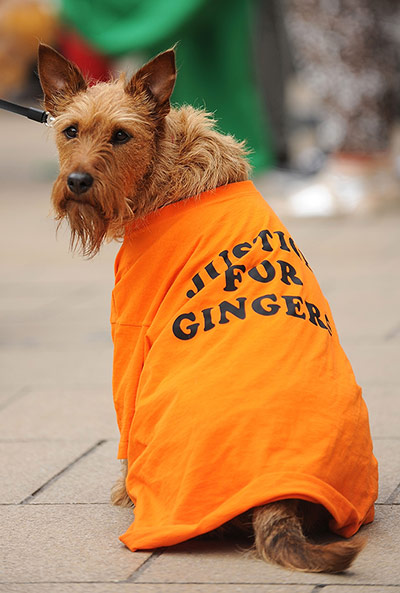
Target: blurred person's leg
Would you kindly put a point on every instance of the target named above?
(342, 49)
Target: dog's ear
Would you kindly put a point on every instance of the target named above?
(156, 79)
(60, 79)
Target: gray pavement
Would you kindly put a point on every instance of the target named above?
(58, 435)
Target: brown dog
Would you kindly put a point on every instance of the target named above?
(124, 154)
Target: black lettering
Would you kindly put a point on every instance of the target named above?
(298, 252)
(283, 244)
(288, 272)
(305, 261)
(328, 324)
(238, 312)
(199, 284)
(266, 245)
(315, 315)
(224, 255)
(208, 324)
(272, 309)
(211, 271)
(191, 329)
(231, 275)
(294, 247)
(241, 249)
(292, 308)
(269, 269)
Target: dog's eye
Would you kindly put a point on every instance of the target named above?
(70, 132)
(120, 137)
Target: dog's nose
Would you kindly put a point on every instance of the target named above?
(79, 182)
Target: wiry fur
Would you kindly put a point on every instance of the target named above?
(119, 495)
(182, 163)
(281, 528)
(173, 154)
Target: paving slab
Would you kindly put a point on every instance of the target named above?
(141, 588)
(394, 498)
(387, 453)
(26, 466)
(163, 588)
(54, 261)
(41, 255)
(54, 368)
(66, 543)
(60, 414)
(88, 481)
(374, 363)
(58, 335)
(203, 561)
(51, 316)
(8, 395)
(361, 589)
(364, 312)
(382, 399)
(26, 294)
(15, 302)
(41, 245)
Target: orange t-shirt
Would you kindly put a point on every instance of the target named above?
(230, 385)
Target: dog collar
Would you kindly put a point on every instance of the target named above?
(42, 117)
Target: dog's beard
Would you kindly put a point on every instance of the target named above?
(89, 226)
(91, 221)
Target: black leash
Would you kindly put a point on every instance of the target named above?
(42, 117)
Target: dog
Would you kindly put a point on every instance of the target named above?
(220, 430)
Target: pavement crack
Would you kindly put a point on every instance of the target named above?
(144, 566)
(393, 496)
(393, 333)
(15, 396)
(58, 475)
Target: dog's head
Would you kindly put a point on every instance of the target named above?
(107, 137)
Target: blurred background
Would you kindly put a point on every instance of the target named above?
(310, 85)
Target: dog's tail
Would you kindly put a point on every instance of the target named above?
(279, 538)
